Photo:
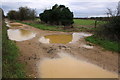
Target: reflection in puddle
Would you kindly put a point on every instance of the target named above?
(8, 25)
(87, 46)
(77, 36)
(44, 40)
(63, 38)
(20, 34)
(69, 67)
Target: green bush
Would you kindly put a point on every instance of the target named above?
(13, 15)
(58, 15)
(110, 30)
(24, 13)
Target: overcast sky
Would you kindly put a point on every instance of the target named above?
(80, 8)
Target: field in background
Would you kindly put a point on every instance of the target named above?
(79, 25)
(84, 22)
(87, 22)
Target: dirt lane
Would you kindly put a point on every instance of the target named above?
(32, 52)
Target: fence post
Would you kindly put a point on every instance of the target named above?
(95, 23)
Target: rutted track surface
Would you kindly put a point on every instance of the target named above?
(32, 51)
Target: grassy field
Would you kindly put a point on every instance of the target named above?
(11, 67)
(87, 22)
(84, 22)
(108, 45)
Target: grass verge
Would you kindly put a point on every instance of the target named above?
(109, 45)
(11, 67)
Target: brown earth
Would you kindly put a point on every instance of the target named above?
(32, 51)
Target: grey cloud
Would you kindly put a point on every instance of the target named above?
(80, 9)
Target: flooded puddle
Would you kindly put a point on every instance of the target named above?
(8, 25)
(11, 24)
(20, 34)
(15, 24)
(63, 38)
(69, 67)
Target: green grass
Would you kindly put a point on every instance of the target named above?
(87, 22)
(84, 22)
(11, 67)
(108, 45)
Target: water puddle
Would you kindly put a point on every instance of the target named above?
(69, 67)
(15, 24)
(63, 38)
(8, 25)
(12, 24)
(20, 34)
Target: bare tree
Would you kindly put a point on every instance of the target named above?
(118, 9)
(111, 13)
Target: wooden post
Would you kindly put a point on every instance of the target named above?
(95, 23)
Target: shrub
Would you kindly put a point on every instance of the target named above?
(24, 13)
(59, 14)
(110, 30)
(13, 15)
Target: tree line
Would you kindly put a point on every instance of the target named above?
(24, 13)
(58, 15)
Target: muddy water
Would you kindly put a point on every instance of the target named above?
(10, 24)
(63, 38)
(69, 67)
(20, 34)
(15, 24)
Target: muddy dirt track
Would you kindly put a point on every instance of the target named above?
(32, 51)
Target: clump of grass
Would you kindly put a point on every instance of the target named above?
(11, 67)
(107, 44)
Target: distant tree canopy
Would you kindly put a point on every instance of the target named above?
(12, 15)
(24, 13)
(59, 15)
